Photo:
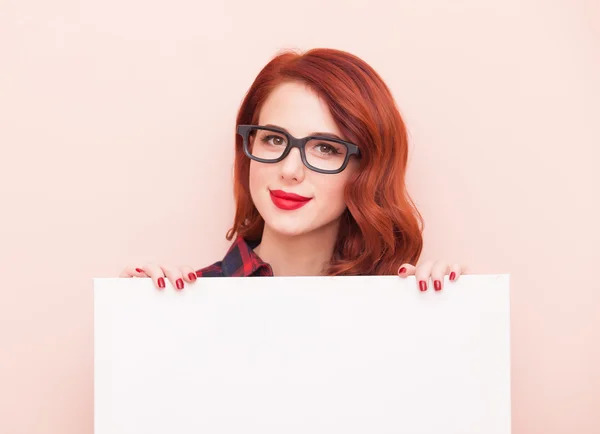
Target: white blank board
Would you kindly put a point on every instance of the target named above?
(299, 355)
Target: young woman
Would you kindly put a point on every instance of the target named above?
(320, 161)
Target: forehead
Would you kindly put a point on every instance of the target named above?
(297, 108)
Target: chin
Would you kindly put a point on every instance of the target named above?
(295, 223)
(287, 228)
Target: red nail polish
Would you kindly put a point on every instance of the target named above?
(402, 270)
(139, 270)
(452, 275)
(179, 283)
(423, 285)
(437, 285)
(192, 276)
(161, 282)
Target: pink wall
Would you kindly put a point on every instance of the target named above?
(115, 128)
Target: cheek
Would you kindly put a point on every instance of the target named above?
(255, 176)
(335, 186)
(258, 178)
(332, 190)
(252, 177)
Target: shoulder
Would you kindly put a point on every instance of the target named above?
(213, 270)
(239, 261)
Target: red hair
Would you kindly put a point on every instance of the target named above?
(381, 227)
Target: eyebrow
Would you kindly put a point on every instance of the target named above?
(329, 135)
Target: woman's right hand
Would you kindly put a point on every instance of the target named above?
(176, 275)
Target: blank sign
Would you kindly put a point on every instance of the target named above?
(299, 355)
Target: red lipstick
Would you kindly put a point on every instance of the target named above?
(288, 201)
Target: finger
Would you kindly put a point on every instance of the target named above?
(174, 275)
(189, 274)
(422, 274)
(455, 271)
(132, 272)
(156, 273)
(438, 272)
(406, 270)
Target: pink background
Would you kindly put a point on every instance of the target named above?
(115, 130)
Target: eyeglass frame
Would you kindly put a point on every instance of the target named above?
(294, 142)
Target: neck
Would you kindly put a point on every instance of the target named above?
(299, 255)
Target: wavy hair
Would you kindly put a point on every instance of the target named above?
(381, 227)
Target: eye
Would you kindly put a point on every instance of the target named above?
(275, 140)
(325, 148)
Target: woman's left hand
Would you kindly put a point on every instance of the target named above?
(434, 270)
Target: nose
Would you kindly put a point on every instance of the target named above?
(292, 167)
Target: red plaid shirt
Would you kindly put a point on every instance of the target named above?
(239, 261)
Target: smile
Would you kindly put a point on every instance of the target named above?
(288, 201)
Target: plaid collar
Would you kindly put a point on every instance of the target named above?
(241, 261)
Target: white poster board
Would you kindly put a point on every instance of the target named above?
(302, 355)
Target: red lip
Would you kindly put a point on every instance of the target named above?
(288, 201)
(289, 196)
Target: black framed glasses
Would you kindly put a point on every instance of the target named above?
(322, 154)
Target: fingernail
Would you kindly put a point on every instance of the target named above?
(452, 275)
(179, 283)
(422, 285)
(437, 285)
(161, 282)
(402, 270)
(139, 270)
(192, 276)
